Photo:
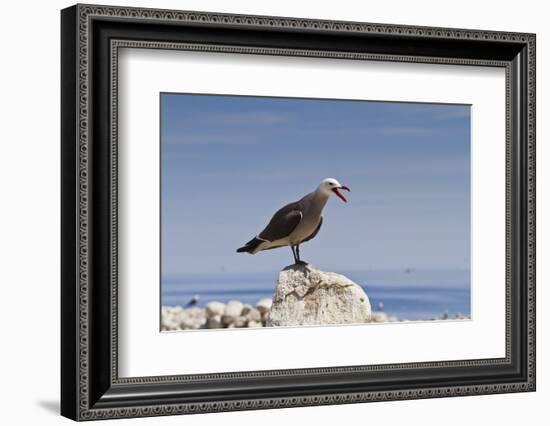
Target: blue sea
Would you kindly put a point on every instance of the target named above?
(407, 294)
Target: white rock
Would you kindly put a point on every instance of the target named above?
(192, 318)
(307, 296)
(264, 305)
(227, 319)
(214, 321)
(240, 322)
(246, 309)
(233, 308)
(169, 322)
(379, 316)
(254, 315)
(254, 324)
(215, 308)
(171, 317)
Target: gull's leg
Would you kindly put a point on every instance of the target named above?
(294, 253)
(298, 260)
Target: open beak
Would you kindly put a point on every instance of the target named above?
(337, 192)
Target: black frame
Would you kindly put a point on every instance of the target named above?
(90, 386)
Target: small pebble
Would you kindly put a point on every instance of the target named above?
(254, 315)
(264, 305)
(215, 308)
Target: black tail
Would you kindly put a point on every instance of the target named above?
(250, 246)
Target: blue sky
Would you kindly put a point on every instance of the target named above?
(229, 162)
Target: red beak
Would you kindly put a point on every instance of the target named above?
(345, 188)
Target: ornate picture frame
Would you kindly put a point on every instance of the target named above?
(91, 37)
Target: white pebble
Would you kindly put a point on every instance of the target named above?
(264, 305)
(215, 308)
(233, 308)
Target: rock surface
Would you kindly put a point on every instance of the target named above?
(215, 308)
(177, 318)
(233, 308)
(214, 321)
(264, 305)
(254, 315)
(232, 311)
(233, 314)
(306, 295)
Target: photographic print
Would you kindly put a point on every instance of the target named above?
(309, 212)
(308, 188)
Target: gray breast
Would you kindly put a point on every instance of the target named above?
(307, 226)
(312, 211)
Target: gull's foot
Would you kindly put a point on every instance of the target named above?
(301, 262)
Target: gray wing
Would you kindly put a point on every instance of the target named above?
(283, 222)
(314, 233)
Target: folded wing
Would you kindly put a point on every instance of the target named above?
(283, 222)
(281, 225)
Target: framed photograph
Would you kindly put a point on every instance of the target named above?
(263, 212)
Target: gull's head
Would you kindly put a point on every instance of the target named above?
(331, 186)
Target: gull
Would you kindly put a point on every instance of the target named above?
(296, 222)
(194, 300)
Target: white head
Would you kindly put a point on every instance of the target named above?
(331, 186)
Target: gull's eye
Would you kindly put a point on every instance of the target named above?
(331, 184)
